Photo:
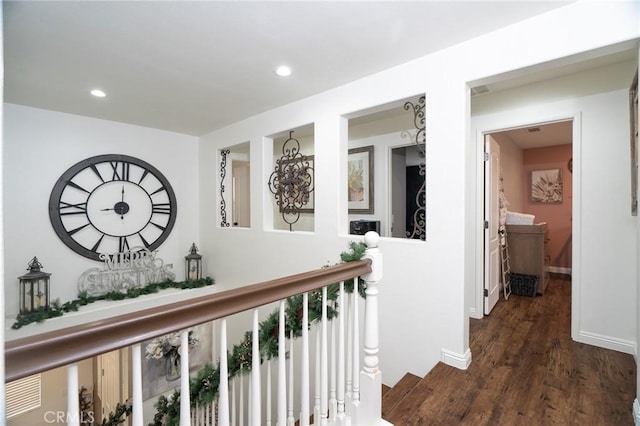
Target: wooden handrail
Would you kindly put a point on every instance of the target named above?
(42, 352)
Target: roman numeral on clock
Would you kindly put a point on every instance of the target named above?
(120, 170)
(161, 208)
(123, 244)
(69, 209)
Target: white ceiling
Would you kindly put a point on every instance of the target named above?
(193, 67)
(541, 135)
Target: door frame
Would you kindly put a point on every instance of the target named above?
(506, 121)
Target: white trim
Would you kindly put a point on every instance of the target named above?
(504, 121)
(559, 270)
(473, 313)
(454, 359)
(607, 342)
(636, 411)
(576, 225)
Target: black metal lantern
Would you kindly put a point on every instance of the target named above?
(193, 264)
(34, 288)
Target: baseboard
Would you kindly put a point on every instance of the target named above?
(636, 411)
(473, 314)
(559, 270)
(607, 342)
(460, 361)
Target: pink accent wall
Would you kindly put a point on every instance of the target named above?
(557, 216)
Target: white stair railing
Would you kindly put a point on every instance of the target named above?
(344, 395)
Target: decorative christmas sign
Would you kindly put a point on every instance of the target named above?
(133, 268)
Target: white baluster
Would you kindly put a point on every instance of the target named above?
(234, 412)
(355, 346)
(282, 370)
(73, 403)
(304, 374)
(370, 410)
(341, 319)
(268, 423)
(290, 420)
(349, 355)
(223, 387)
(250, 407)
(255, 374)
(241, 398)
(185, 401)
(333, 403)
(136, 385)
(324, 373)
(316, 407)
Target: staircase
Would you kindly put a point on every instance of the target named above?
(404, 404)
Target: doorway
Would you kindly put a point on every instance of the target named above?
(527, 156)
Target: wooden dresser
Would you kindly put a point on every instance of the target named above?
(528, 251)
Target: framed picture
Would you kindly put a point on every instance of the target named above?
(546, 186)
(299, 194)
(161, 365)
(360, 180)
(633, 111)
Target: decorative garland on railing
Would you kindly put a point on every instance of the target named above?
(56, 309)
(204, 387)
(119, 416)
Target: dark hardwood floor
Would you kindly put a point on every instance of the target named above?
(526, 370)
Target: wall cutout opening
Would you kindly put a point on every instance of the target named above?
(235, 186)
(292, 180)
(386, 170)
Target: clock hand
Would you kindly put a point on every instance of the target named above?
(122, 205)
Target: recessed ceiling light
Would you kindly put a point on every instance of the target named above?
(283, 71)
(98, 93)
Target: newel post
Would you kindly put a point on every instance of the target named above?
(370, 407)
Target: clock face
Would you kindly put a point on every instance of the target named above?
(112, 203)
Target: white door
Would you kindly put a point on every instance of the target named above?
(108, 381)
(492, 222)
(241, 205)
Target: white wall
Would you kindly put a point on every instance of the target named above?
(39, 145)
(427, 280)
(54, 395)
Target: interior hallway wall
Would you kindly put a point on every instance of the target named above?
(557, 215)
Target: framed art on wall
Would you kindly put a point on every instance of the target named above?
(546, 186)
(360, 180)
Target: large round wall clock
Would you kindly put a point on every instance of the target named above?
(110, 204)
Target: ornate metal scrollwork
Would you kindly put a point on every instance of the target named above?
(291, 182)
(419, 217)
(223, 173)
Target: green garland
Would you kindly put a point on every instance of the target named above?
(203, 389)
(118, 416)
(56, 309)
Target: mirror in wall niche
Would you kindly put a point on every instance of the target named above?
(386, 170)
(291, 181)
(234, 186)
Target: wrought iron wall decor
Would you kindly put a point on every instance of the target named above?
(291, 182)
(419, 216)
(223, 173)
